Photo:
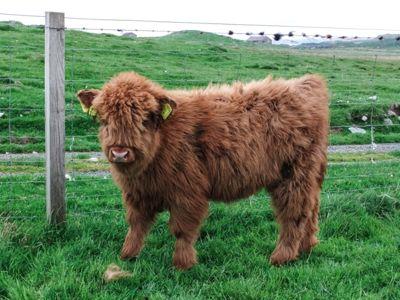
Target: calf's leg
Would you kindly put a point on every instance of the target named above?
(311, 228)
(140, 222)
(185, 220)
(296, 203)
(310, 239)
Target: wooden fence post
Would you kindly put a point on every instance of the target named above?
(55, 117)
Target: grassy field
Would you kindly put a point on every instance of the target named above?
(358, 257)
(185, 60)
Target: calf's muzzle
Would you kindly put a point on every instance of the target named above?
(120, 154)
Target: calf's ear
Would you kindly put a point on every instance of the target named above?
(86, 98)
(167, 107)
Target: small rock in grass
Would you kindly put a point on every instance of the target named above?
(1, 114)
(93, 159)
(114, 273)
(373, 98)
(387, 122)
(357, 130)
(364, 118)
(68, 177)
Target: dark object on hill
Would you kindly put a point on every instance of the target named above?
(278, 36)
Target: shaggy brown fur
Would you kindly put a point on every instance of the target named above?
(222, 143)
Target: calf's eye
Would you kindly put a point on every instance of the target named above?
(152, 121)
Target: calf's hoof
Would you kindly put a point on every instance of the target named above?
(129, 253)
(185, 260)
(282, 255)
(309, 243)
(128, 257)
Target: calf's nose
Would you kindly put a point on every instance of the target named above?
(120, 154)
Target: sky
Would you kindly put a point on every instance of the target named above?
(368, 14)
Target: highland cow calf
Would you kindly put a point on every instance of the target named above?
(176, 150)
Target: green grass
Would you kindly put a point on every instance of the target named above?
(183, 60)
(357, 258)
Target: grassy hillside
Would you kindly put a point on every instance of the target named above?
(386, 41)
(358, 256)
(181, 60)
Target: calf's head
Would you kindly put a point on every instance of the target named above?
(131, 110)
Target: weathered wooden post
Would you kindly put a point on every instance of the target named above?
(55, 117)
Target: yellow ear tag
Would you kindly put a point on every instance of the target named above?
(90, 111)
(166, 111)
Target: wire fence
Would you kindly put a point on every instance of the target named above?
(363, 79)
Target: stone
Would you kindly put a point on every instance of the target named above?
(262, 39)
(357, 130)
(387, 122)
(130, 35)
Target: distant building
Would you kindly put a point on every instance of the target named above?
(130, 34)
(262, 39)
